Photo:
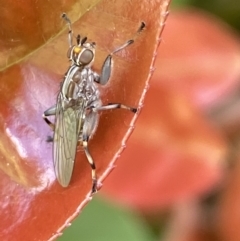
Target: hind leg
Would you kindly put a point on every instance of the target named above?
(92, 164)
(89, 127)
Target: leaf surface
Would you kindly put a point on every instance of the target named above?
(33, 61)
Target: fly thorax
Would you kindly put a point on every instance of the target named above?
(71, 92)
(87, 88)
(70, 84)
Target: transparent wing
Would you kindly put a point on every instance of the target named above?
(65, 141)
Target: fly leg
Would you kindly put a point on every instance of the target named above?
(49, 112)
(89, 127)
(107, 65)
(70, 31)
(111, 106)
(92, 164)
(46, 113)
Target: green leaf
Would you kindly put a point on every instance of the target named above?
(103, 221)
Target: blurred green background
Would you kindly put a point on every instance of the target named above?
(102, 220)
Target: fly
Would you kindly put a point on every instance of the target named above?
(78, 104)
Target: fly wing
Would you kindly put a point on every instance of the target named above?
(65, 141)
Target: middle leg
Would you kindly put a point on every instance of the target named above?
(111, 106)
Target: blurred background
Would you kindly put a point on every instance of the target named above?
(179, 177)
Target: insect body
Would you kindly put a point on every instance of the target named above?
(77, 107)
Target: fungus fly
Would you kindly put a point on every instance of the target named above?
(78, 104)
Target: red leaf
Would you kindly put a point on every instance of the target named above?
(187, 224)
(201, 56)
(27, 25)
(228, 210)
(175, 153)
(33, 205)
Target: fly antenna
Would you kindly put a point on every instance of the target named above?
(78, 39)
(83, 40)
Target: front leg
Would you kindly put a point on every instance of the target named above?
(104, 77)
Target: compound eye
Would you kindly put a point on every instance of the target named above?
(86, 56)
(70, 52)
